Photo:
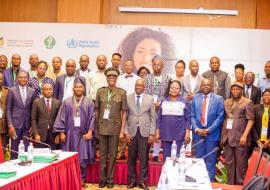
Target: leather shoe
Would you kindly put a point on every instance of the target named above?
(131, 185)
(102, 184)
(142, 185)
(155, 159)
(110, 185)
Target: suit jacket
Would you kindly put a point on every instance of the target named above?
(8, 77)
(145, 119)
(41, 120)
(215, 115)
(187, 87)
(3, 104)
(60, 86)
(223, 80)
(243, 111)
(17, 113)
(255, 95)
(257, 127)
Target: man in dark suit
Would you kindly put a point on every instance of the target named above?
(139, 131)
(19, 104)
(64, 83)
(43, 115)
(250, 91)
(10, 74)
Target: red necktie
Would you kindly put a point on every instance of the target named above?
(48, 106)
(203, 110)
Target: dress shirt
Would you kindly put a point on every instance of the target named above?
(95, 80)
(127, 82)
(68, 88)
(207, 104)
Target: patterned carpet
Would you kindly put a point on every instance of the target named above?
(116, 187)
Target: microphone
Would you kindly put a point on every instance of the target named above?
(39, 142)
(199, 142)
(191, 179)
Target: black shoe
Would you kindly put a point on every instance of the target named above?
(102, 184)
(142, 185)
(110, 185)
(155, 159)
(131, 185)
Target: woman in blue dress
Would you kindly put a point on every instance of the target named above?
(173, 120)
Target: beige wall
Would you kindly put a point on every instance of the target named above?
(252, 13)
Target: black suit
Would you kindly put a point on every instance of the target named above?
(42, 120)
(255, 95)
(257, 127)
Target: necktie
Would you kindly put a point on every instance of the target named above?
(23, 95)
(48, 106)
(203, 110)
(127, 76)
(138, 106)
(265, 120)
(247, 92)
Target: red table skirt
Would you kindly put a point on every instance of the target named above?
(64, 175)
(121, 173)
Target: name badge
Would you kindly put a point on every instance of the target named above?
(155, 98)
(77, 121)
(173, 108)
(264, 131)
(106, 113)
(229, 123)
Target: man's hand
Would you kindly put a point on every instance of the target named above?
(57, 139)
(121, 135)
(37, 138)
(157, 136)
(243, 140)
(88, 135)
(62, 137)
(266, 144)
(187, 138)
(151, 139)
(11, 131)
(157, 105)
(128, 138)
(205, 132)
(259, 143)
(189, 96)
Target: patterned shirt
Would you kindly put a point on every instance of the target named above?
(34, 83)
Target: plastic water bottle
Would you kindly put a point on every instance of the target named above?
(174, 150)
(182, 165)
(163, 181)
(21, 149)
(183, 152)
(30, 152)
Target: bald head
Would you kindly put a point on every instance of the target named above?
(194, 67)
(139, 86)
(70, 67)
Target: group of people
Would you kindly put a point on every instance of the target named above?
(114, 108)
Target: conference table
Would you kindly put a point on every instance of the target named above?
(63, 174)
(196, 176)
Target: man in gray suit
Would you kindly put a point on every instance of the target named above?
(221, 81)
(140, 131)
(19, 104)
(191, 83)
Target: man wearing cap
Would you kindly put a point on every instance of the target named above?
(75, 122)
(235, 136)
(111, 109)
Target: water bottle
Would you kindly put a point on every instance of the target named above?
(163, 181)
(21, 151)
(183, 152)
(174, 150)
(30, 152)
(181, 166)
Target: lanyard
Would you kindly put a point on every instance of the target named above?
(77, 105)
(109, 96)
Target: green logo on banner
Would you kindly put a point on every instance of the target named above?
(49, 42)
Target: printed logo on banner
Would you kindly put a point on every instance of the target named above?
(1, 41)
(49, 42)
(74, 43)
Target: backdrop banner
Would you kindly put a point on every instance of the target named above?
(140, 43)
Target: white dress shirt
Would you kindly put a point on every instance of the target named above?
(207, 104)
(83, 73)
(140, 100)
(193, 82)
(95, 80)
(127, 82)
(68, 88)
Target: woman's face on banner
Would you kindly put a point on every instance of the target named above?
(145, 51)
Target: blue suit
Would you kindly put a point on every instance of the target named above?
(215, 117)
(8, 77)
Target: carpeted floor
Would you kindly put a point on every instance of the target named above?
(116, 187)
